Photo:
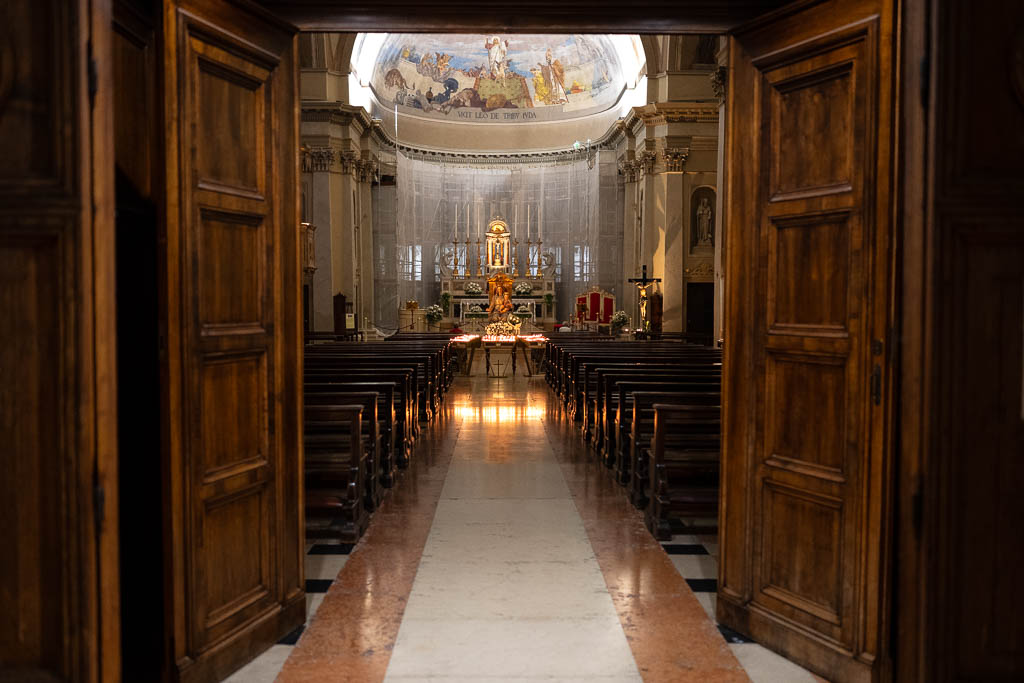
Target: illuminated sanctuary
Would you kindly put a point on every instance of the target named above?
(499, 277)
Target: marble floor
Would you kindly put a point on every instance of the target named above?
(505, 554)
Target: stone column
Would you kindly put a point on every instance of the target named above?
(629, 171)
(345, 262)
(338, 130)
(316, 168)
(662, 234)
(366, 172)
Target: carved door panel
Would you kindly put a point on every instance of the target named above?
(58, 491)
(233, 328)
(806, 360)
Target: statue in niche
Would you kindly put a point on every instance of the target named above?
(704, 236)
(702, 218)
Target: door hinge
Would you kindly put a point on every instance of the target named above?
(876, 385)
(93, 75)
(926, 80)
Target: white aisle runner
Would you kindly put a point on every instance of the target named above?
(508, 587)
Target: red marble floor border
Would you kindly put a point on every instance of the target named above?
(354, 631)
(670, 634)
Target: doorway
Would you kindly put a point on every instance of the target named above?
(698, 296)
(700, 312)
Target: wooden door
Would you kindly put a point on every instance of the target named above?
(961, 474)
(804, 527)
(58, 488)
(233, 327)
(700, 311)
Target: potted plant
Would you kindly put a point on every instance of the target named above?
(618, 321)
(433, 314)
(446, 301)
(549, 299)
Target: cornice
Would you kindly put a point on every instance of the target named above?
(335, 113)
(658, 113)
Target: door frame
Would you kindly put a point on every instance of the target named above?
(914, 290)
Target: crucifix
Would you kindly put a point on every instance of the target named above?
(642, 284)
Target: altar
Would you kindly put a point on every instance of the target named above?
(467, 291)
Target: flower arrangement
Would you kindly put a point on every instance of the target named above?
(549, 298)
(446, 301)
(433, 314)
(619, 320)
(474, 289)
(476, 308)
(523, 288)
(523, 310)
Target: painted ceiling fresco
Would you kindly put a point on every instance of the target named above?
(497, 78)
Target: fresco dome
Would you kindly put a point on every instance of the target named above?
(503, 78)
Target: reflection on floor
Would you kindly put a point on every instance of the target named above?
(504, 553)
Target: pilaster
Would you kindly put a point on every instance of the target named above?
(332, 137)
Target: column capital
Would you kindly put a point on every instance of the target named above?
(629, 169)
(365, 170)
(675, 158)
(316, 159)
(646, 161)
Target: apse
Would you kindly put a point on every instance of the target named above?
(501, 85)
(490, 126)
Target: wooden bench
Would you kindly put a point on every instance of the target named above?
(395, 383)
(379, 474)
(619, 440)
(335, 472)
(684, 465)
(605, 401)
(642, 433)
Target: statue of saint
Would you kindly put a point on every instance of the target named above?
(705, 238)
(501, 299)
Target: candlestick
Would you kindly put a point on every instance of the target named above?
(479, 266)
(515, 258)
(465, 267)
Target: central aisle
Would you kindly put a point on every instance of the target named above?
(508, 585)
(504, 552)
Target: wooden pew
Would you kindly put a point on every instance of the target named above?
(684, 465)
(379, 476)
(394, 384)
(642, 433)
(618, 435)
(605, 401)
(425, 365)
(335, 472)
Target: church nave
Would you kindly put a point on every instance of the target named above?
(506, 552)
